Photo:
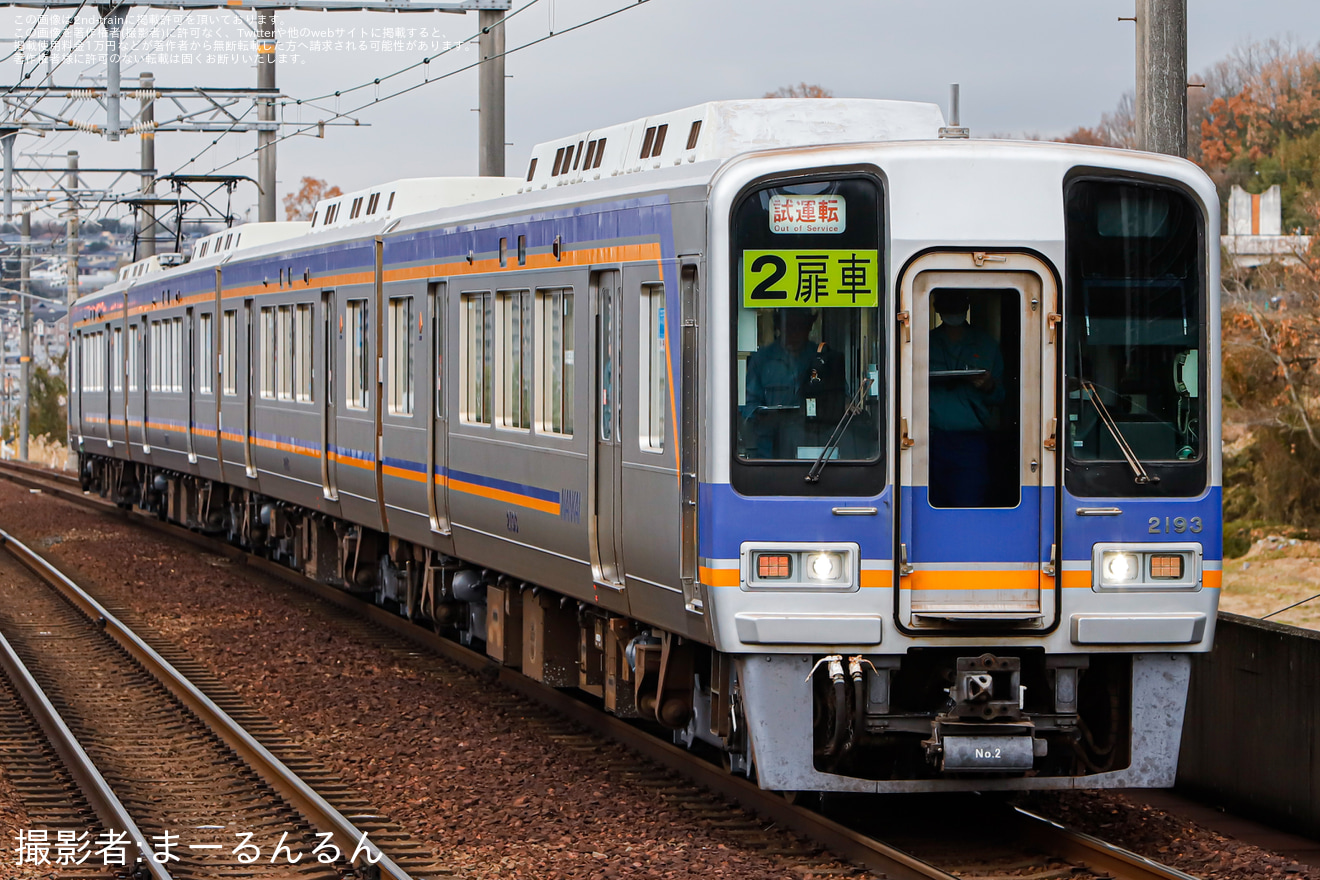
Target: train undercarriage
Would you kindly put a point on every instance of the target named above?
(933, 713)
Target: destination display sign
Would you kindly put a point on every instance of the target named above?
(819, 278)
(798, 214)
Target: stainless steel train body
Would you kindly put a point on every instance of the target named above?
(685, 433)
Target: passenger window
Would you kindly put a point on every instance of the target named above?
(134, 353)
(117, 360)
(153, 352)
(600, 153)
(653, 377)
(356, 389)
(399, 346)
(478, 326)
(284, 353)
(516, 344)
(268, 356)
(177, 360)
(302, 352)
(203, 355)
(229, 353)
(555, 403)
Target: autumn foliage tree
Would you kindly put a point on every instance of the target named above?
(1266, 129)
(801, 90)
(299, 205)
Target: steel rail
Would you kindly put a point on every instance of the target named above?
(851, 845)
(298, 793)
(1096, 854)
(109, 809)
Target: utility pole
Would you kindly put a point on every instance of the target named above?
(1162, 76)
(266, 113)
(7, 138)
(112, 17)
(71, 231)
(490, 93)
(147, 221)
(25, 343)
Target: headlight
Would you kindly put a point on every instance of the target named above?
(786, 566)
(1120, 568)
(824, 566)
(1146, 567)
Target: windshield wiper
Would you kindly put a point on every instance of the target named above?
(1108, 421)
(852, 409)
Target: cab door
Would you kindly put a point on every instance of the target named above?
(977, 410)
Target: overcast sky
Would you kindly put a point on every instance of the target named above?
(1026, 66)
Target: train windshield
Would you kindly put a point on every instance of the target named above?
(808, 286)
(1135, 336)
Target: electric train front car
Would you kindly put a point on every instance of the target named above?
(974, 547)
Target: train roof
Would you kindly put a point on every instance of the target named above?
(718, 130)
(413, 195)
(249, 235)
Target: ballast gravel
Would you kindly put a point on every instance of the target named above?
(477, 779)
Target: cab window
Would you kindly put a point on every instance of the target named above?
(808, 285)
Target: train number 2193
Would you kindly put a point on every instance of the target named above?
(1180, 524)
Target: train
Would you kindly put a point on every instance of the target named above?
(892, 465)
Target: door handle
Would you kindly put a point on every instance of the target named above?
(905, 318)
(904, 570)
(1052, 441)
(907, 442)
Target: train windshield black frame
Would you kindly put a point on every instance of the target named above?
(1136, 340)
(808, 283)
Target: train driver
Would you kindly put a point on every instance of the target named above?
(961, 401)
(775, 375)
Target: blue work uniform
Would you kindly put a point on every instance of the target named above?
(961, 417)
(774, 378)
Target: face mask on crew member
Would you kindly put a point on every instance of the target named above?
(954, 319)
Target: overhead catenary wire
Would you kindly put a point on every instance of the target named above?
(51, 45)
(374, 82)
(18, 46)
(415, 86)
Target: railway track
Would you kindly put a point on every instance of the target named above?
(1009, 842)
(191, 792)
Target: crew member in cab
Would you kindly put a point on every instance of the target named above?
(793, 384)
(966, 382)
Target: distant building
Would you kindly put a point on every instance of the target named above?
(1255, 229)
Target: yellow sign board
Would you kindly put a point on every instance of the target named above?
(824, 278)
